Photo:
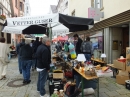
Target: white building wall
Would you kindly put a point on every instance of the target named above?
(80, 7)
(113, 7)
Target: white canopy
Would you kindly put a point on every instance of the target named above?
(56, 30)
(31, 20)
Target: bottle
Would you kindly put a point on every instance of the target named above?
(55, 91)
(61, 93)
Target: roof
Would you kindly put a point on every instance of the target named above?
(53, 8)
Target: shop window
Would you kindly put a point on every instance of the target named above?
(2, 34)
(21, 6)
(66, 4)
(1, 11)
(8, 38)
(73, 13)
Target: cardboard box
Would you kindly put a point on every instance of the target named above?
(119, 65)
(58, 75)
(128, 65)
(123, 73)
(121, 79)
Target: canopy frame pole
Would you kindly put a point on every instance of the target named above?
(50, 37)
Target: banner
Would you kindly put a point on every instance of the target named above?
(30, 20)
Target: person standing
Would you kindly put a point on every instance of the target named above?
(86, 49)
(35, 46)
(58, 47)
(78, 44)
(43, 56)
(26, 53)
(17, 51)
(4, 51)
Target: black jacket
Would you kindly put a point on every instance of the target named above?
(35, 45)
(78, 46)
(43, 56)
(26, 52)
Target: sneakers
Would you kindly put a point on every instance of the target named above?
(46, 95)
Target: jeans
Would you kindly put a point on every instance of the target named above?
(42, 78)
(26, 66)
(88, 57)
(19, 64)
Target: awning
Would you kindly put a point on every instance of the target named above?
(112, 21)
(72, 23)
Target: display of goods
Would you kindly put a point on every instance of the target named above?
(57, 71)
(122, 60)
(105, 68)
(73, 56)
(128, 63)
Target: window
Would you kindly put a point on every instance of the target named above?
(8, 38)
(16, 3)
(73, 13)
(97, 3)
(1, 11)
(66, 4)
(21, 6)
(2, 34)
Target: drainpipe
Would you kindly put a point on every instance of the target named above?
(110, 48)
(129, 34)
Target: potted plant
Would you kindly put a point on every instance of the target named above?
(54, 95)
(3, 17)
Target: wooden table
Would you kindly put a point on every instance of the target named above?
(97, 62)
(87, 78)
(114, 69)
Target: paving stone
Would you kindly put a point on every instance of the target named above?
(103, 95)
(128, 94)
(103, 90)
(112, 88)
(112, 93)
(102, 85)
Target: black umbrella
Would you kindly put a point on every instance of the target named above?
(35, 29)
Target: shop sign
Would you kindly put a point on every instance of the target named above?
(95, 13)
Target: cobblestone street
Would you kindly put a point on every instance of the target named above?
(108, 87)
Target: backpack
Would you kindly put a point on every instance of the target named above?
(69, 88)
(86, 47)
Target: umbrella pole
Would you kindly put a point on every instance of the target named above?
(50, 37)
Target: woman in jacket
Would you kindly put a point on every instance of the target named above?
(4, 51)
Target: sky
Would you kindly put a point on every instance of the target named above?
(41, 7)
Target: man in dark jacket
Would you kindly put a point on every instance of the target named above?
(78, 44)
(22, 43)
(86, 48)
(43, 56)
(26, 53)
(35, 46)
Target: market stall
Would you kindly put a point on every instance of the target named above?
(45, 24)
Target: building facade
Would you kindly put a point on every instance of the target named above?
(114, 24)
(62, 7)
(5, 9)
(53, 9)
(27, 9)
(17, 10)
